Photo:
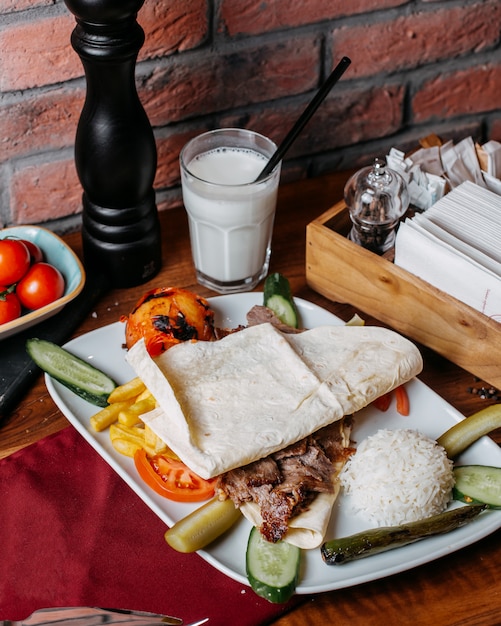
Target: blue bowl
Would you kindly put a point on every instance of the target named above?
(57, 253)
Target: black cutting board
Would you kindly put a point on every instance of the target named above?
(17, 370)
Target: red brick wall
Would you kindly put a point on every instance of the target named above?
(417, 67)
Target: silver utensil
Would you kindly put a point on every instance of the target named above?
(93, 616)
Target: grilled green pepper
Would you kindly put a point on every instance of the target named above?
(375, 540)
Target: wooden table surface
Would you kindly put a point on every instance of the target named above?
(460, 589)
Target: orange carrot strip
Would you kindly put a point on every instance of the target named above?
(402, 400)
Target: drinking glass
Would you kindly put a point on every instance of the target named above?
(230, 214)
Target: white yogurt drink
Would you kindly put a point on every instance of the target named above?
(230, 215)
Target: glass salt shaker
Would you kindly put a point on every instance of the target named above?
(376, 197)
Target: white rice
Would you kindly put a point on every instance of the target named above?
(398, 476)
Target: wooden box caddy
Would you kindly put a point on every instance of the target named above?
(344, 272)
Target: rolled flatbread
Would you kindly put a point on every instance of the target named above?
(227, 403)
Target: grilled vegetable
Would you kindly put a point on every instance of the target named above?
(166, 316)
(277, 296)
(466, 432)
(202, 526)
(82, 378)
(272, 568)
(478, 483)
(376, 540)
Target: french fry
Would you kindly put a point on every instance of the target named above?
(143, 406)
(128, 391)
(164, 452)
(125, 447)
(122, 416)
(131, 416)
(145, 394)
(134, 434)
(108, 416)
(128, 418)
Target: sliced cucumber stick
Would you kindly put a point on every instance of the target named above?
(272, 568)
(82, 378)
(277, 296)
(478, 483)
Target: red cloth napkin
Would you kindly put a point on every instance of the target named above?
(73, 533)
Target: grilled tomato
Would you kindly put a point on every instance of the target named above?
(166, 316)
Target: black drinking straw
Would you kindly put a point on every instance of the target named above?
(305, 117)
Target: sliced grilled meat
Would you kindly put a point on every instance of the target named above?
(261, 314)
(284, 483)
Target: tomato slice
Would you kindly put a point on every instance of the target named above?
(172, 478)
(383, 402)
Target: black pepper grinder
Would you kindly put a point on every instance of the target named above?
(376, 197)
(115, 151)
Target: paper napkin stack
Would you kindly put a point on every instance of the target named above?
(436, 167)
(455, 245)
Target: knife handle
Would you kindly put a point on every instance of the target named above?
(93, 616)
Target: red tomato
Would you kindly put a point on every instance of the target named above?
(14, 261)
(42, 284)
(10, 307)
(383, 402)
(35, 251)
(172, 479)
(168, 315)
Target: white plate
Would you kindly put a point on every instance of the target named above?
(429, 413)
(57, 253)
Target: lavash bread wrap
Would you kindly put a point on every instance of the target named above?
(227, 403)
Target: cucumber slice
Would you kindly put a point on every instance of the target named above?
(478, 483)
(277, 296)
(77, 375)
(272, 568)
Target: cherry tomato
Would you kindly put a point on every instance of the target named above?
(42, 284)
(14, 261)
(36, 254)
(10, 307)
(172, 479)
